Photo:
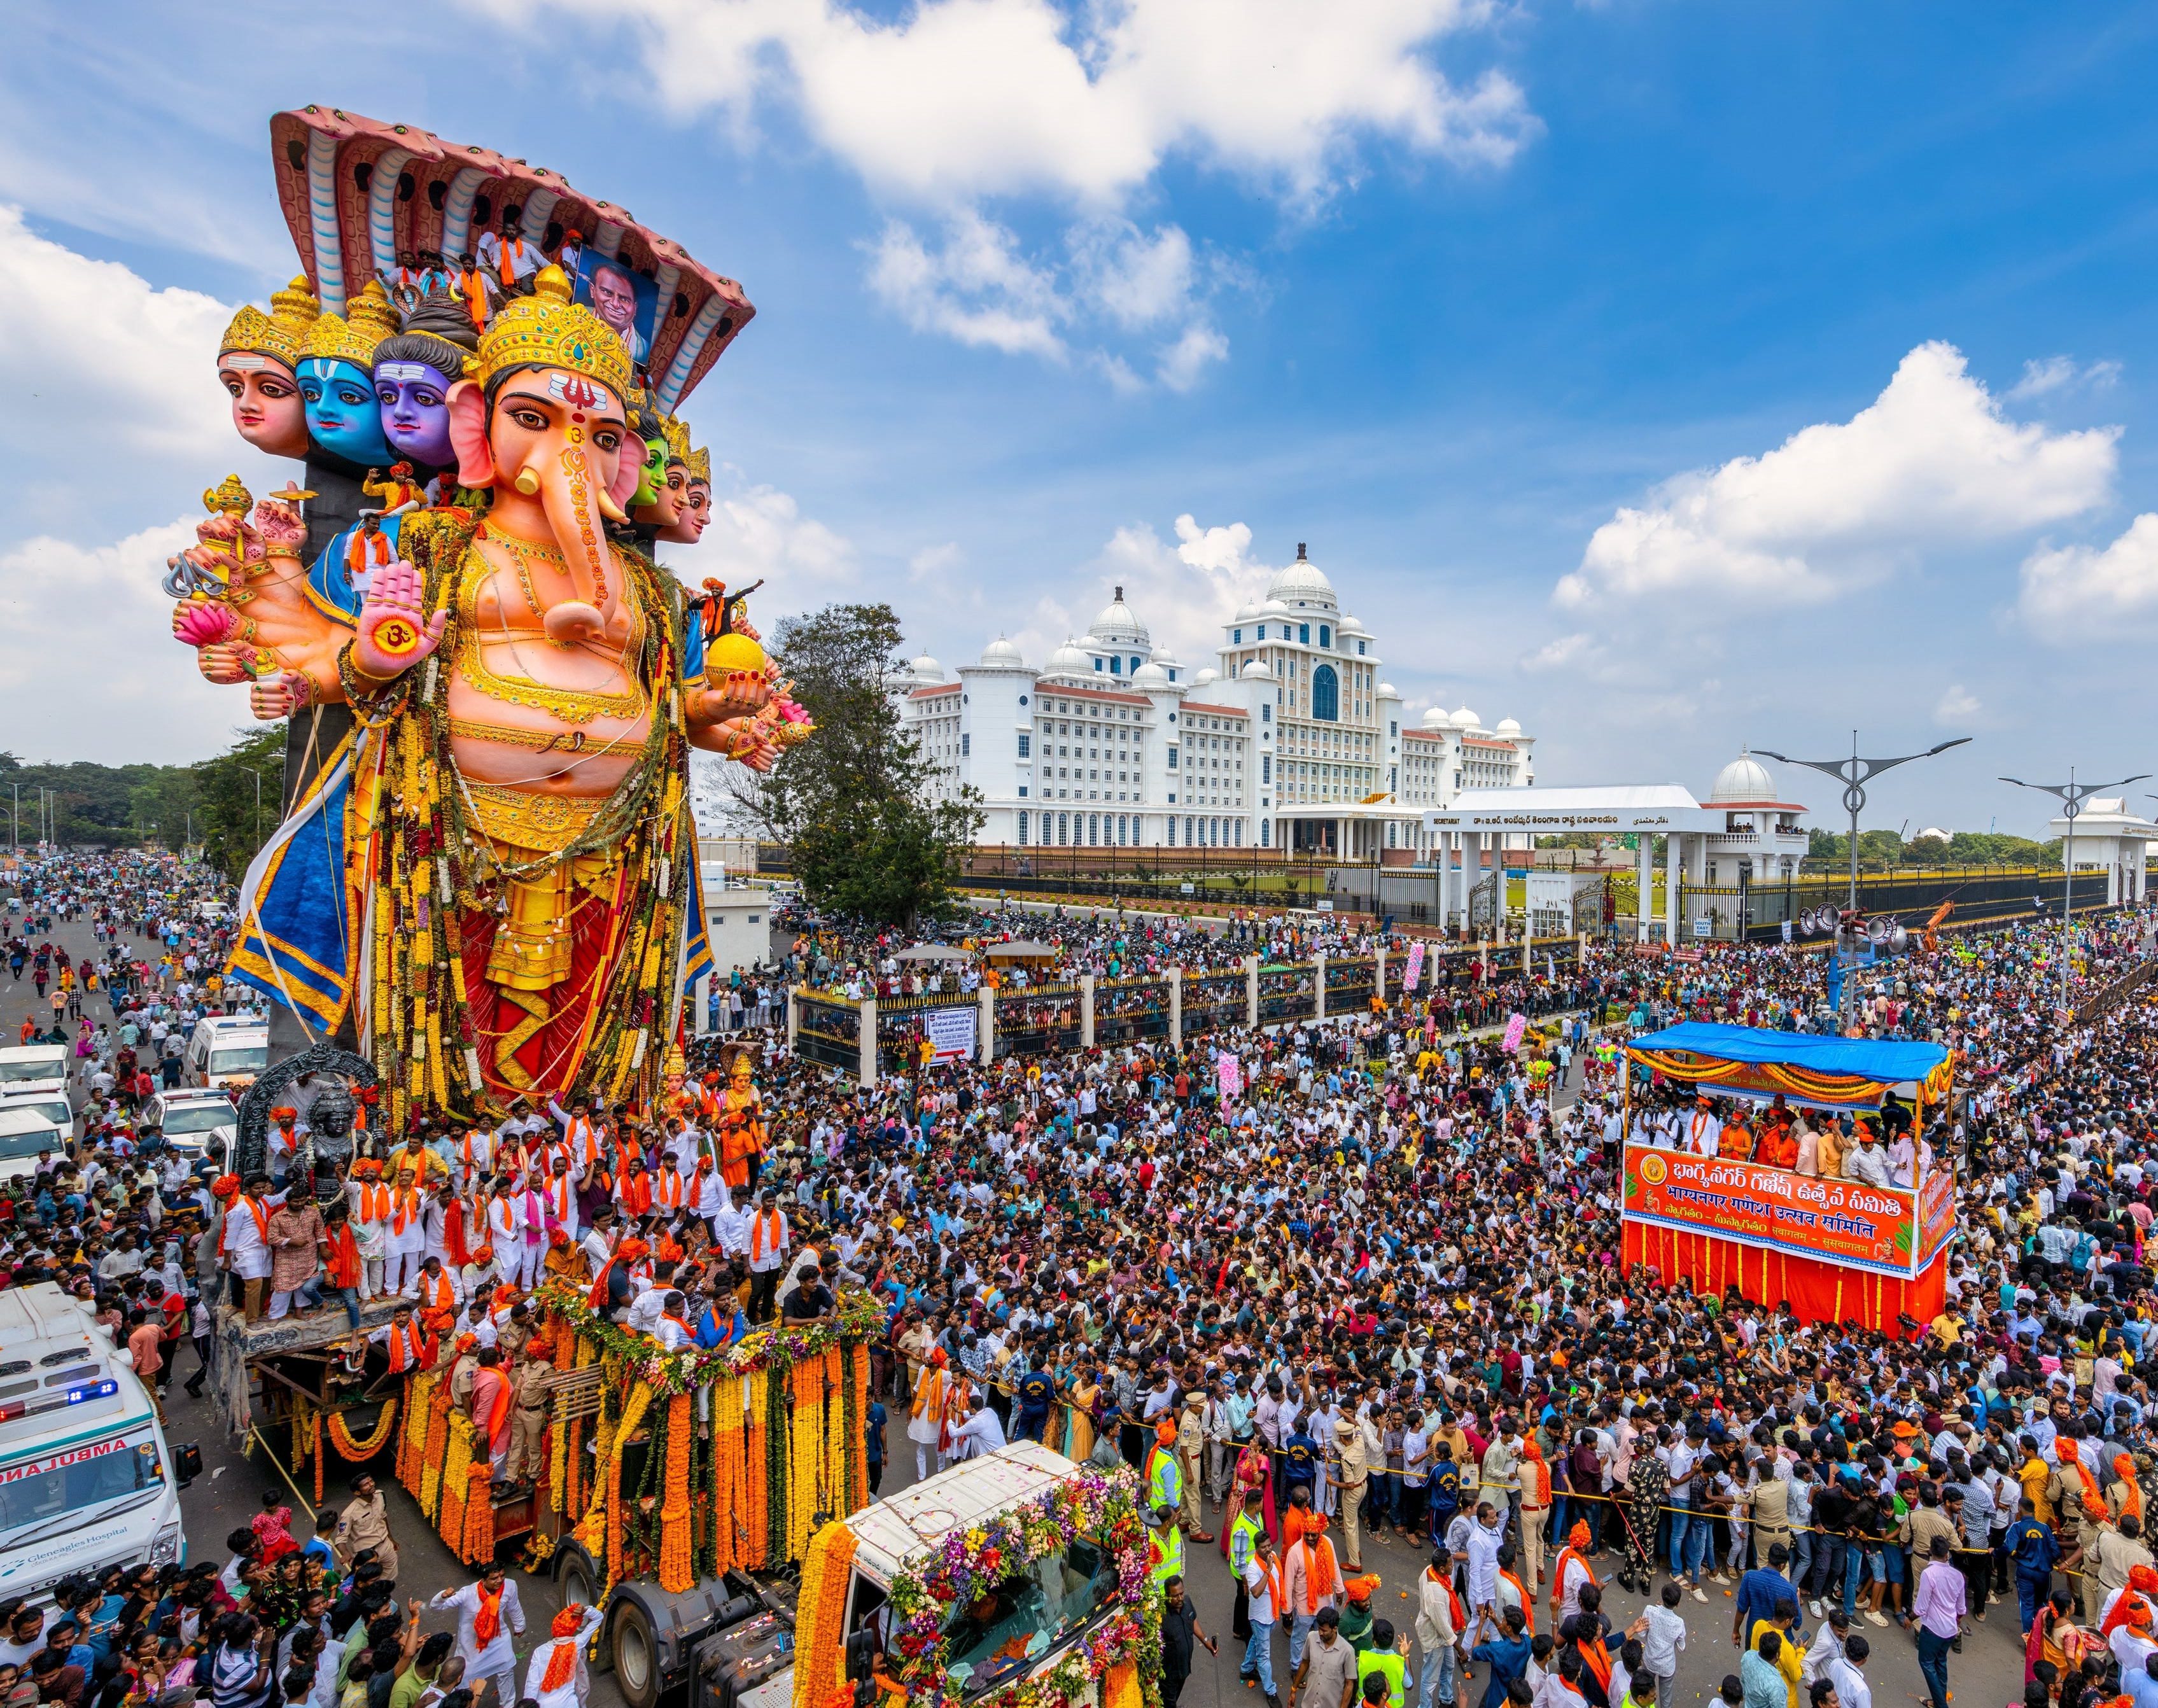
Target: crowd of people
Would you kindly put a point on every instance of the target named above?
(1324, 1285)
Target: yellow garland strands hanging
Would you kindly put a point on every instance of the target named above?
(434, 1463)
(341, 1437)
(301, 1431)
(858, 1463)
(456, 1484)
(726, 1473)
(677, 1570)
(318, 1458)
(805, 1432)
(820, 1629)
(832, 1464)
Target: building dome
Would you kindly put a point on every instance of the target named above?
(1463, 719)
(1068, 660)
(1247, 612)
(1302, 584)
(1001, 653)
(1507, 726)
(1437, 718)
(1274, 607)
(1204, 677)
(928, 671)
(1163, 656)
(1256, 671)
(1386, 690)
(1117, 623)
(1744, 779)
(1150, 676)
(1349, 625)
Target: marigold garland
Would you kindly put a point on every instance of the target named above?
(726, 1477)
(455, 1483)
(434, 1463)
(341, 1437)
(614, 1522)
(318, 1458)
(821, 1615)
(478, 1541)
(677, 1573)
(301, 1428)
(858, 1460)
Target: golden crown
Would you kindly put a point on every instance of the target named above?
(547, 330)
(353, 340)
(677, 435)
(700, 465)
(282, 333)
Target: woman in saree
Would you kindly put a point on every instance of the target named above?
(2054, 1638)
(1252, 1473)
(1081, 1393)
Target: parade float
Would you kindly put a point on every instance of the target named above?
(1837, 1251)
(485, 880)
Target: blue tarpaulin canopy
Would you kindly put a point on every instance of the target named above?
(1881, 1061)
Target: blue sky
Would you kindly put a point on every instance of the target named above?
(1664, 375)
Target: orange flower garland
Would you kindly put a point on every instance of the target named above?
(857, 1460)
(318, 1458)
(677, 1573)
(804, 1447)
(727, 1436)
(479, 1513)
(341, 1438)
(454, 1484)
(755, 1485)
(614, 1518)
(821, 1621)
(435, 1456)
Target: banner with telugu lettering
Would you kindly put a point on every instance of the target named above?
(1833, 1221)
(1229, 1075)
(1414, 971)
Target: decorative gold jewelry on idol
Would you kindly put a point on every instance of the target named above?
(700, 464)
(547, 330)
(677, 435)
(353, 339)
(282, 333)
(571, 705)
(228, 497)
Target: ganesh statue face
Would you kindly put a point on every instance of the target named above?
(415, 399)
(555, 447)
(266, 408)
(695, 511)
(344, 416)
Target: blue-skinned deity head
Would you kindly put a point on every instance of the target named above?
(413, 371)
(337, 381)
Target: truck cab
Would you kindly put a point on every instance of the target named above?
(86, 1478)
(227, 1052)
(735, 1640)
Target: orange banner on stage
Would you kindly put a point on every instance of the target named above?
(1845, 1222)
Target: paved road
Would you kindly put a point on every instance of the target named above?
(231, 1490)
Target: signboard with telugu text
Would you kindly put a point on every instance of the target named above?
(1833, 1221)
(1413, 975)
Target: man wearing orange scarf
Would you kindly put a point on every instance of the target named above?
(489, 1616)
(491, 1407)
(614, 1289)
(1571, 1574)
(555, 1676)
(925, 1418)
(2084, 1512)
(1535, 1510)
(1311, 1579)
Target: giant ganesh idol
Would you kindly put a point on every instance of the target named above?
(486, 879)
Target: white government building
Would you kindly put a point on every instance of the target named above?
(1294, 743)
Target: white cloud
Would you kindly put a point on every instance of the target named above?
(758, 532)
(2053, 376)
(1184, 362)
(1932, 460)
(2081, 593)
(1565, 652)
(1183, 592)
(1957, 705)
(974, 287)
(92, 355)
(936, 560)
(962, 99)
(65, 607)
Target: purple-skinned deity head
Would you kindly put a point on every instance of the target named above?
(413, 371)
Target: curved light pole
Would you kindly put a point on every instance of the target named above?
(2071, 795)
(1854, 773)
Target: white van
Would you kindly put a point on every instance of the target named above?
(24, 1131)
(191, 1119)
(33, 1067)
(51, 1105)
(227, 1050)
(86, 1480)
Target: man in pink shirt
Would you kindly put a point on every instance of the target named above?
(144, 1345)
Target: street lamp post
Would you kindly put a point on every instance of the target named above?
(2071, 795)
(1854, 773)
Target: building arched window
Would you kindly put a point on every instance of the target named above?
(1325, 695)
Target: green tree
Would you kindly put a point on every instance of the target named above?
(103, 805)
(240, 799)
(869, 828)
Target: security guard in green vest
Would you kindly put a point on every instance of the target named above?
(1381, 1673)
(1164, 1548)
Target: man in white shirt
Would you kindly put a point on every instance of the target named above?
(247, 1241)
(1848, 1675)
(981, 1434)
(573, 1626)
(1868, 1163)
(489, 1617)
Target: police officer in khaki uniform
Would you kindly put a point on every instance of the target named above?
(528, 1418)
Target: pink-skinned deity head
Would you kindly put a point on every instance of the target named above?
(258, 361)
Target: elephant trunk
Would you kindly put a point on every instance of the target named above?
(570, 491)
